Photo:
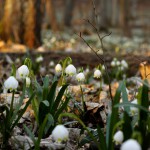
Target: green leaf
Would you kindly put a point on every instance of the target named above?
(59, 98)
(51, 95)
(114, 117)
(125, 97)
(132, 105)
(45, 87)
(101, 139)
(43, 110)
(62, 108)
(22, 112)
(13, 72)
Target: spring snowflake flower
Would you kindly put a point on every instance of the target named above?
(113, 63)
(97, 73)
(80, 77)
(134, 110)
(118, 63)
(28, 81)
(39, 59)
(124, 64)
(70, 70)
(58, 68)
(118, 137)
(23, 72)
(60, 133)
(131, 144)
(11, 83)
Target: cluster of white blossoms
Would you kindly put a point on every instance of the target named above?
(39, 59)
(60, 133)
(12, 84)
(122, 64)
(130, 144)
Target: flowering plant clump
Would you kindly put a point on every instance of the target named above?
(23, 72)
(70, 70)
(11, 83)
(60, 133)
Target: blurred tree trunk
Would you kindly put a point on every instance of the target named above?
(7, 21)
(50, 9)
(2, 2)
(69, 12)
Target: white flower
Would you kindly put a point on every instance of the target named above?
(58, 68)
(51, 63)
(28, 81)
(113, 63)
(23, 72)
(134, 109)
(80, 77)
(11, 83)
(70, 70)
(39, 59)
(118, 137)
(60, 133)
(117, 63)
(131, 144)
(124, 64)
(97, 73)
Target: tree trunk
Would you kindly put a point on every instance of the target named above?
(51, 13)
(69, 12)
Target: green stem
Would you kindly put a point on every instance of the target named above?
(82, 96)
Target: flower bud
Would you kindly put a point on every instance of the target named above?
(39, 59)
(60, 133)
(23, 72)
(28, 81)
(134, 109)
(118, 137)
(80, 77)
(70, 70)
(131, 144)
(58, 68)
(97, 74)
(11, 83)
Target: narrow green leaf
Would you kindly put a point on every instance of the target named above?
(45, 87)
(59, 98)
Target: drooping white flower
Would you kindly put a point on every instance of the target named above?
(70, 70)
(124, 64)
(58, 68)
(134, 109)
(131, 144)
(39, 59)
(23, 72)
(118, 137)
(97, 73)
(28, 81)
(80, 77)
(118, 63)
(51, 63)
(113, 63)
(11, 83)
(60, 133)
